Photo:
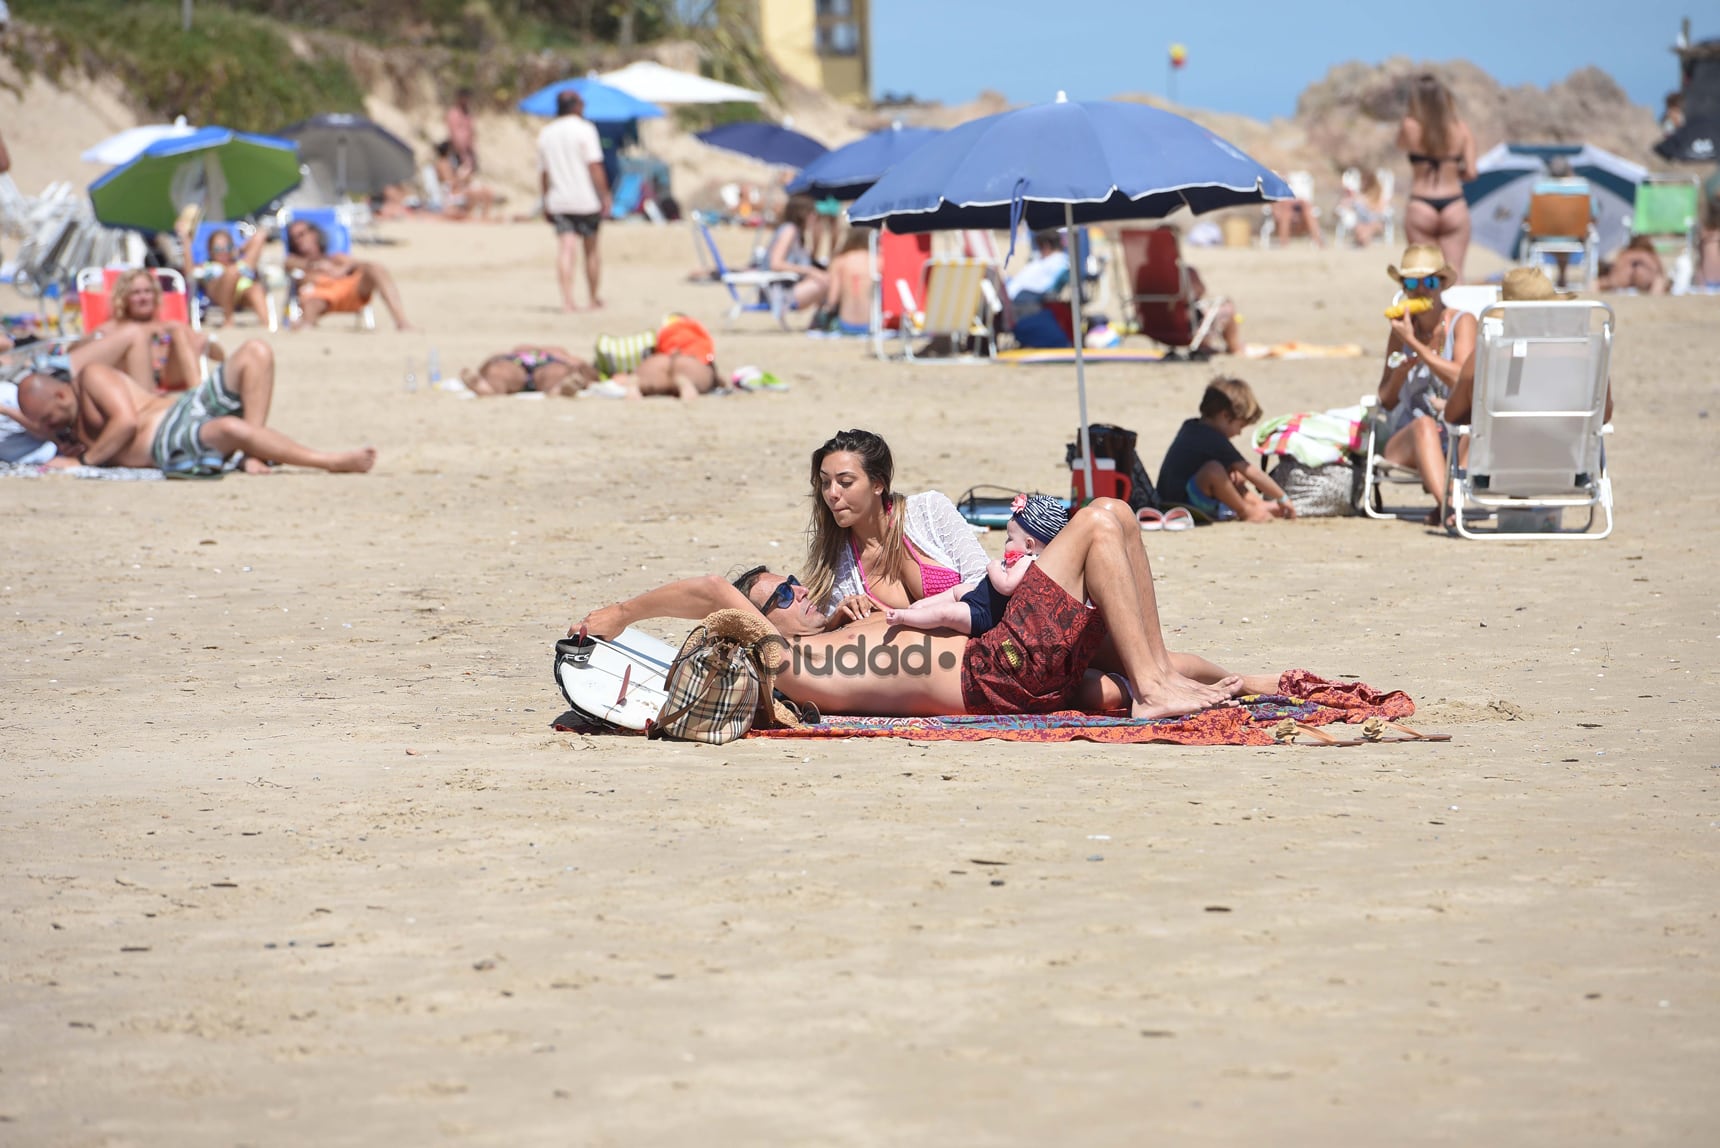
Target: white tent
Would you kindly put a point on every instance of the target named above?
(650, 81)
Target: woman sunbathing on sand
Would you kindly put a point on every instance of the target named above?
(531, 367)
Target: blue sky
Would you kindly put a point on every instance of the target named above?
(1253, 57)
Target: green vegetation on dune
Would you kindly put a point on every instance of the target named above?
(233, 69)
(258, 65)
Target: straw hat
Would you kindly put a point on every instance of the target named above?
(1530, 285)
(750, 629)
(1423, 259)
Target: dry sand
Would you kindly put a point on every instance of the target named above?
(289, 853)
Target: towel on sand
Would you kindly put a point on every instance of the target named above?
(107, 473)
(1303, 697)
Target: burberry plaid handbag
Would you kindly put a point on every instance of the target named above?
(714, 688)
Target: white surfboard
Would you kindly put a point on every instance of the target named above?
(616, 681)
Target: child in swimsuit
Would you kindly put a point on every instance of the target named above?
(969, 608)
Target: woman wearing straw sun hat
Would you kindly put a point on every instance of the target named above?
(1521, 285)
(1429, 344)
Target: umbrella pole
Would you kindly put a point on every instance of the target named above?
(1080, 342)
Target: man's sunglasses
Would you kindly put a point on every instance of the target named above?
(1414, 282)
(782, 597)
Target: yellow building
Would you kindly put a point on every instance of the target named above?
(824, 44)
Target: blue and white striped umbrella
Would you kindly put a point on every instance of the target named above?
(1505, 177)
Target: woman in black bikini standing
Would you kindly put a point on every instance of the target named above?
(1441, 156)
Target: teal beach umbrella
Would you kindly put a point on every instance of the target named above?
(228, 174)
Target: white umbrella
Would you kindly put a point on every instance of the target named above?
(129, 144)
(654, 83)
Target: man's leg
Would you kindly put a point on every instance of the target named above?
(566, 248)
(1199, 669)
(1091, 558)
(593, 268)
(250, 374)
(1188, 665)
(374, 279)
(230, 434)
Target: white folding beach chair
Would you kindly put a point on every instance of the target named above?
(1535, 436)
(1377, 471)
(960, 305)
(772, 286)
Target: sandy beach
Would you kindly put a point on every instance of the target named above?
(290, 854)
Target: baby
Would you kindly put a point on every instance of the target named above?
(970, 609)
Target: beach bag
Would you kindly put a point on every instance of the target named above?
(1317, 491)
(1118, 443)
(719, 685)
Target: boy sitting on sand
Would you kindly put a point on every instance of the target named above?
(973, 609)
(1205, 470)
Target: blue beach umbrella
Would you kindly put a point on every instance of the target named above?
(848, 171)
(1060, 165)
(228, 174)
(1505, 178)
(768, 143)
(603, 104)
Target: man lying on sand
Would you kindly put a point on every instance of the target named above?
(1034, 661)
(117, 422)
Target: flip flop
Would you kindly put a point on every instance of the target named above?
(1178, 518)
(1287, 731)
(1374, 729)
(1150, 519)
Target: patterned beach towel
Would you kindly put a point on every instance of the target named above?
(1315, 439)
(1304, 697)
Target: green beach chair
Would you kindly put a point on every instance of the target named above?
(1666, 212)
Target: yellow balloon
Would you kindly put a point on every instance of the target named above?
(1179, 55)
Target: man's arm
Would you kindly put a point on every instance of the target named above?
(110, 393)
(600, 180)
(692, 598)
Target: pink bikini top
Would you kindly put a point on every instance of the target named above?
(934, 579)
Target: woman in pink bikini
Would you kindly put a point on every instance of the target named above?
(873, 549)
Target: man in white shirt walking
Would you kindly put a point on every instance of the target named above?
(575, 192)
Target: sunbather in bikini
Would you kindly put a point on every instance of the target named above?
(531, 367)
(337, 283)
(230, 277)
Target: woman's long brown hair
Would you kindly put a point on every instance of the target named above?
(1431, 106)
(826, 538)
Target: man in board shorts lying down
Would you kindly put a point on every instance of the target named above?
(117, 422)
(1034, 661)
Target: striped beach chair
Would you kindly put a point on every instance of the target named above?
(960, 304)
